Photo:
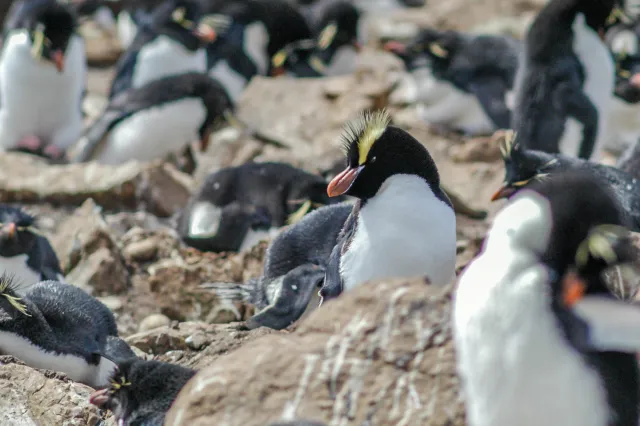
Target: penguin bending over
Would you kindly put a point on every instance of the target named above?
(25, 254)
(294, 269)
(540, 338)
(155, 120)
(43, 74)
(172, 43)
(524, 167)
(403, 225)
(237, 207)
(59, 327)
(563, 92)
(141, 392)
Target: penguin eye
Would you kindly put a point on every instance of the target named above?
(373, 159)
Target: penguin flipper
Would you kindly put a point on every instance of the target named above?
(580, 107)
(333, 285)
(491, 93)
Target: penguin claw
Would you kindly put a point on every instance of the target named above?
(29, 143)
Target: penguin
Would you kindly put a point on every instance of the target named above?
(332, 52)
(624, 118)
(294, 270)
(403, 225)
(43, 75)
(540, 339)
(524, 167)
(563, 92)
(57, 326)
(141, 392)
(173, 43)
(25, 254)
(622, 33)
(237, 207)
(133, 14)
(154, 120)
(466, 81)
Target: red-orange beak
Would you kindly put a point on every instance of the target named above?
(99, 398)
(343, 181)
(601, 33)
(11, 230)
(277, 71)
(573, 289)
(395, 47)
(205, 33)
(58, 60)
(204, 141)
(635, 80)
(504, 192)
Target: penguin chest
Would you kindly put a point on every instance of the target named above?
(155, 131)
(163, 57)
(404, 231)
(516, 366)
(17, 266)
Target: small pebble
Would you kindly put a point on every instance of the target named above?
(141, 251)
(153, 321)
(196, 341)
(114, 303)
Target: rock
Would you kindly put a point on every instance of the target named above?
(38, 397)
(141, 251)
(382, 357)
(114, 303)
(158, 186)
(158, 341)
(101, 271)
(486, 149)
(154, 321)
(102, 47)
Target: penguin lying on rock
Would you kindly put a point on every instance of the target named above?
(540, 339)
(403, 225)
(43, 74)
(294, 269)
(237, 207)
(25, 254)
(59, 327)
(526, 166)
(141, 392)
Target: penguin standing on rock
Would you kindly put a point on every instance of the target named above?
(155, 120)
(43, 73)
(403, 225)
(563, 92)
(25, 254)
(540, 338)
(172, 43)
(59, 327)
(141, 392)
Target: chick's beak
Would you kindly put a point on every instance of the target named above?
(100, 397)
(504, 192)
(343, 181)
(58, 60)
(205, 33)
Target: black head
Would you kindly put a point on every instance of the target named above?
(522, 167)
(438, 48)
(596, 12)
(300, 59)
(339, 26)
(588, 232)
(180, 20)
(375, 152)
(628, 78)
(18, 233)
(141, 391)
(50, 26)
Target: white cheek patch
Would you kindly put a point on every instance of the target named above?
(204, 220)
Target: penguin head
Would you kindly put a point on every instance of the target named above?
(628, 78)
(431, 48)
(142, 390)
(339, 26)
(50, 28)
(180, 20)
(596, 12)
(522, 166)
(375, 152)
(298, 58)
(18, 233)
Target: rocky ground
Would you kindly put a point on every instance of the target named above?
(372, 357)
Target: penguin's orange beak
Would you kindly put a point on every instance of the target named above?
(635, 80)
(395, 47)
(100, 397)
(204, 141)
(205, 33)
(504, 192)
(11, 230)
(58, 59)
(573, 289)
(277, 71)
(343, 181)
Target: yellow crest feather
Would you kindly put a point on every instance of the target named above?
(327, 35)
(278, 59)
(365, 130)
(438, 50)
(7, 291)
(507, 143)
(317, 64)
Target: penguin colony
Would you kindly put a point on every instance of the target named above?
(540, 338)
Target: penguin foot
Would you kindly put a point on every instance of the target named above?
(54, 153)
(29, 143)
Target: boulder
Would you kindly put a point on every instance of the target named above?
(381, 354)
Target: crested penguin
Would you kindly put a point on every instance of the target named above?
(524, 167)
(25, 254)
(43, 74)
(294, 269)
(141, 392)
(59, 327)
(154, 120)
(540, 339)
(237, 207)
(172, 43)
(462, 81)
(624, 118)
(403, 224)
(563, 90)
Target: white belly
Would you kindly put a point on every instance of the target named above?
(404, 231)
(17, 266)
(164, 57)
(37, 100)
(155, 132)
